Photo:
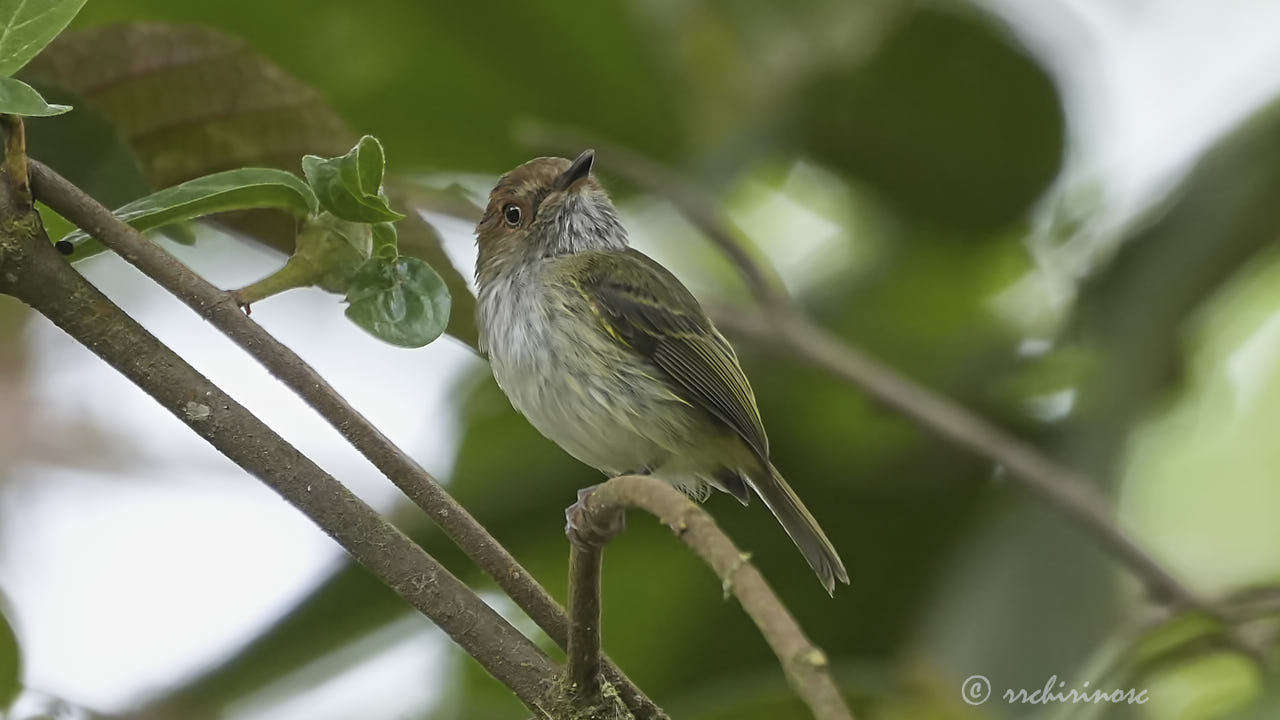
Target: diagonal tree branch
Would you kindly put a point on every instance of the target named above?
(597, 517)
(32, 271)
(218, 307)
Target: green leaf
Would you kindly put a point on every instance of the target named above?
(29, 25)
(10, 665)
(402, 301)
(19, 98)
(350, 186)
(244, 189)
(418, 238)
(370, 163)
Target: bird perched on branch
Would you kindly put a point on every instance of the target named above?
(611, 357)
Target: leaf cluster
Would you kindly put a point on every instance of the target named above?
(347, 241)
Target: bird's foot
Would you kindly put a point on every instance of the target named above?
(592, 527)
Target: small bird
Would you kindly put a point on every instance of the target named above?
(609, 356)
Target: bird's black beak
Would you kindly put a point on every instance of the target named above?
(578, 169)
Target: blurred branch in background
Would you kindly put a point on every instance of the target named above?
(598, 516)
(35, 273)
(789, 331)
(221, 310)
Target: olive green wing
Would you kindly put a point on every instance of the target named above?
(641, 304)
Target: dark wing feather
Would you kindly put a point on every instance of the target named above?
(643, 305)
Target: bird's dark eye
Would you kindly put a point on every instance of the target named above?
(512, 213)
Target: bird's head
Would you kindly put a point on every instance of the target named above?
(546, 207)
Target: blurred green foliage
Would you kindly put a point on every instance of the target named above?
(949, 122)
(942, 132)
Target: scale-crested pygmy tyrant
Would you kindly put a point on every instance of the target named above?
(612, 358)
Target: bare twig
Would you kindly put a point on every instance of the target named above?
(588, 534)
(31, 270)
(583, 662)
(220, 309)
(804, 664)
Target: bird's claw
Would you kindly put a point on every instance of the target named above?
(592, 528)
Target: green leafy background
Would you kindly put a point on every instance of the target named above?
(926, 134)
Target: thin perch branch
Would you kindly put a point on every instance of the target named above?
(587, 538)
(583, 662)
(804, 664)
(220, 310)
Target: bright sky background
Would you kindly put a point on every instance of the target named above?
(95, 561)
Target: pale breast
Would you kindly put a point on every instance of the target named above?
(590, 396)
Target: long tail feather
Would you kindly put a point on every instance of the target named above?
(801, 526)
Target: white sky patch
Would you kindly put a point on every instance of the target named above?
(119, 586)
(1149, 84)
(383, 675)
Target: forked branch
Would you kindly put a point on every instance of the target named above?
(597, 517)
